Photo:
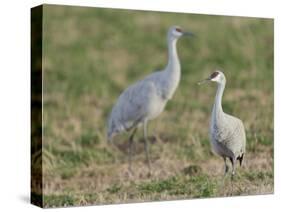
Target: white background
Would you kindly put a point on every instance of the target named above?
(15, 102)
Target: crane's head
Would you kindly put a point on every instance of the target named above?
(176, 32)
(216, 76)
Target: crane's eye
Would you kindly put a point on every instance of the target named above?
(178, 30)
(213, 75)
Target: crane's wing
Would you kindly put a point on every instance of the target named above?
(131, 107)
(231, 135)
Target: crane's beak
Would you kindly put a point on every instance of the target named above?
(190, 34)
(204, 81)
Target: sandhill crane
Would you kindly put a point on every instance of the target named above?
(227, 133)
(146, 99)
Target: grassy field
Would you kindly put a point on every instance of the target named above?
(92, 55)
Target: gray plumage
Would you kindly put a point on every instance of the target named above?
(227, 133)
(146, 99)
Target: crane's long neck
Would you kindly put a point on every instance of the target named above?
(173, 59)
(172, 72)
(217, 108)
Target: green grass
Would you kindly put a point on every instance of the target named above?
(174, 187)
(91, 55)
(59, 200)
(199, 186)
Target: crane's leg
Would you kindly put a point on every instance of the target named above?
(225, 166)
(233, 163)
(131, 141)
(225, 172)
(146, 145)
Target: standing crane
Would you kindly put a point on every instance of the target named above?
(146, 99)
(227, 133)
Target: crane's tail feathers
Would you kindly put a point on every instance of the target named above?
(240, 158)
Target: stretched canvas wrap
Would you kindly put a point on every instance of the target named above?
(118, 115)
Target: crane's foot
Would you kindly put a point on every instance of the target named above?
(232, 175)
(130, 172)
(149, 173)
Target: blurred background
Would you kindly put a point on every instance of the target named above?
(90, 55)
